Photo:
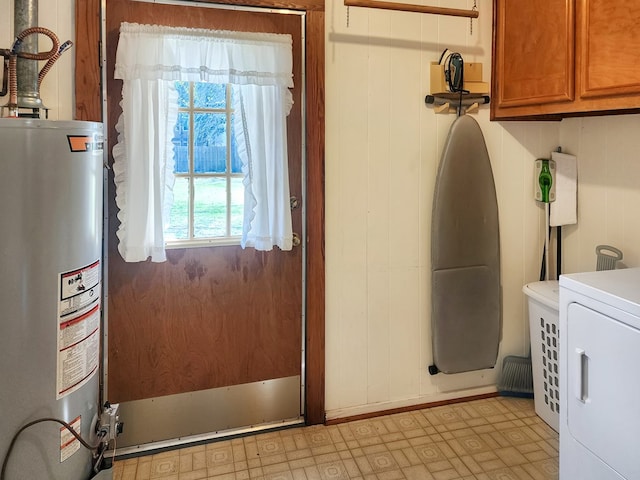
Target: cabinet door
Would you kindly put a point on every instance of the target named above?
(534, 49)
(610, 47)
(602, 387)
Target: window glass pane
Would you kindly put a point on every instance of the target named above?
(181, 144)
(201, 144)
(237, 205)
(209, 95)
(178, 227)
(236, 163)
(210, 207)
(183, 94)
(210, 146)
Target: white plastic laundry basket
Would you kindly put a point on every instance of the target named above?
(545, 357)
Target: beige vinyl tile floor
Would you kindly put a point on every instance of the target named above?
(498, 438)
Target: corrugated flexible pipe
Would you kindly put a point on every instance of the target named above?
(63, 48)
(13, 61)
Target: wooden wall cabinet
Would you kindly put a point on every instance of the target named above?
(557, 58)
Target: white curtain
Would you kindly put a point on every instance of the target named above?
(261, 134)
(149, 59)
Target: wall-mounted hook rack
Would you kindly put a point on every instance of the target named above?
(407, 7)
(454, 103)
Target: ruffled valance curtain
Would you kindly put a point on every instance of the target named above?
(149, 59)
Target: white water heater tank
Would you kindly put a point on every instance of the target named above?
(50, 293)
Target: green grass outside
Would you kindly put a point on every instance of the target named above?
(210, 209)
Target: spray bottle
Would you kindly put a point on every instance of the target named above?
(545, 192)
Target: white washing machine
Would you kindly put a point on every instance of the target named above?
(599, 377)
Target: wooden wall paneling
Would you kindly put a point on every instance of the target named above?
(87, 57)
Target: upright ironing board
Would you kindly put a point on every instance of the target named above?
(465, 255)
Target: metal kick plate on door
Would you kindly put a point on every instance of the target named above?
(176, 419)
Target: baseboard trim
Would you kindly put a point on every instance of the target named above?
(336, 417)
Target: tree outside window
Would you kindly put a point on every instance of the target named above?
(208, 191)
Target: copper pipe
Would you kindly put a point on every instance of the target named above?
(13, 61)
(40, 55)
(63, 48)
(13, 86)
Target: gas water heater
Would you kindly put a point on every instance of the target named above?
(50, 297)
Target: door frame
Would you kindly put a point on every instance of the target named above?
(89, 107)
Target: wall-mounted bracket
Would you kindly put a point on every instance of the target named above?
(456, 103)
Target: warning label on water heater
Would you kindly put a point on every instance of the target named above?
(78, 327)
(69, 444)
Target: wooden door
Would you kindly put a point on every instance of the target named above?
(208, 318)
(533, 53)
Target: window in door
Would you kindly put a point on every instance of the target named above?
(208, 193)
(259, 67)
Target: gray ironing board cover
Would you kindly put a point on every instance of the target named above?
(465, 255)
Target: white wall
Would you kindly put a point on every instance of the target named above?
(608, 188)
(383, 147)
(57, 87)
(382, 150)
